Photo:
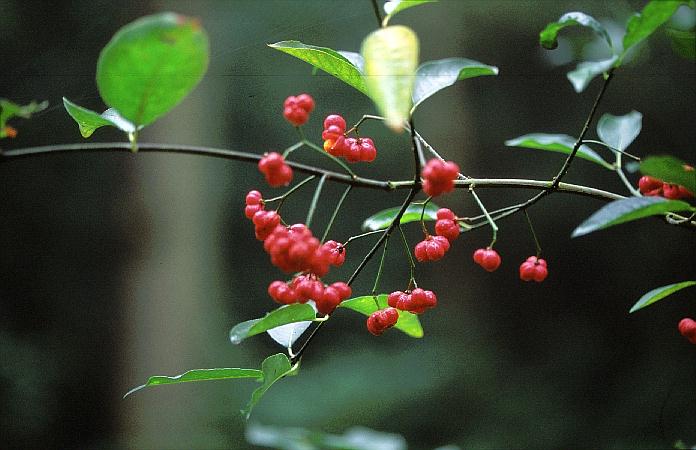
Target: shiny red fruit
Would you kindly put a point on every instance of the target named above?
(533, 269)
(487, 258)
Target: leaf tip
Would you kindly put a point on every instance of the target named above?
(135, 389)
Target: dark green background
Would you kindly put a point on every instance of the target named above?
(114, 267)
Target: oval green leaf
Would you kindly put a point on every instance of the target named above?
(274, 368)
(548, 36)
(628, 209)
(660, 293)
(561, 143)
(642, 25)
(408, 322)
(394, 7)
(619, 131)
(670, 170)
(281, 316)
(384, 218)
(391, 59)
(586, 71)
(326, 59)
(200, 375)
(151, 64)
(433, 76)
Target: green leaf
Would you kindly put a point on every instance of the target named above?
(274, 368)
(561, 143)
(391, 59)
(433, 76)
(408, 322)
(660, 293)
(89, 120)
(548, 36)
(642, 25)
(586, 71)
(628, 209)
(200, 375)
(384, 218)
(151, 64)
(619, 131)
(670, 170)
(393, 7)
(281, 316)
(683, 42)
(355, 59)
(326, 59)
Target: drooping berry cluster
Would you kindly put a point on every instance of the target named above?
(296, 109)
(438, 177)
(654, 187)
(336, 143)
(687, 328)
(264, 223)
(379, 321)
(415, 301)
(533, 269)
(487, 258)
(276, 171)
(307, 287)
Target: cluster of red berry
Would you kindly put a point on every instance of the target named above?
(379, 321)
(274, 168)
(438, 177)
(687, 328)
(654, 187)
(339, 145)
(534, 269)
(296, 109)
(487, 258)
(433, 248)
(307, 287)
(294, 249)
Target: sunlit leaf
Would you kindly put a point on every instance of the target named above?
(548, 36)
(628, 209)
(670, 170)
(561, 143)
(326, 59)
(274, 368)
(643, 24)
(355, 59)
(393, 7)
(433, 76)
(391, 59)
(660, 293)
(408, 322)
(281, 316)
(88, 121)
(586, 71)
(200, 375)
(384, 218)
(151, 64)
(287, 334)
(619, 131)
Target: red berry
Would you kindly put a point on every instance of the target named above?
(10, 132)
(432, 248)
(675, 192)
(368, 152)
(487, 258)
(254, 203)
(438, 176)
(445, 213)
(533, 269)
(338, 147)
(327, 303)
(282, 293)
(337, 253)
(265, 222)
(343, 289)
(335, 120)
(306, 102)
(687, 328)
(276, 171)
(647, 185)
(379, 321)
(447, 228)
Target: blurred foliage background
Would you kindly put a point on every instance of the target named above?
(114, 267)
